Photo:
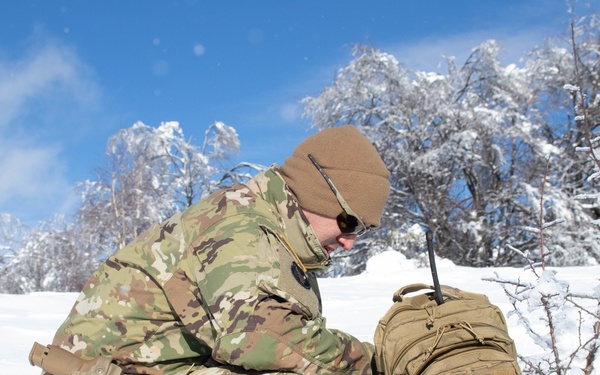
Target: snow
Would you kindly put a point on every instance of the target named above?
(352, 304)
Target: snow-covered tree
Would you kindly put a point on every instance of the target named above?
(11, 233)
(458, 146)
(129, 194)
(151, 173)
(569, 89)
(51, 258)
(193, 169)
(538, 295)
(466, 149)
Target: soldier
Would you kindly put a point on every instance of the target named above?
(225, 287)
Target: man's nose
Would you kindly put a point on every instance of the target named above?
(346, 240)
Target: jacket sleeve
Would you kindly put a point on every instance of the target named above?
(278, 338)
(266, 315)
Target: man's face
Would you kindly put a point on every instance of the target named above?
(328, 232)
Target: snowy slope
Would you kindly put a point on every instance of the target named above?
(353, 304)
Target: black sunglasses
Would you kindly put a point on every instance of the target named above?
(348, 221)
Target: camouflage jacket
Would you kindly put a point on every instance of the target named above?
(226, 281)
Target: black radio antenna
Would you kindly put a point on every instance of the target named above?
(436, 283)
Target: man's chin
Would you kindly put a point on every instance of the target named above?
(330, 249)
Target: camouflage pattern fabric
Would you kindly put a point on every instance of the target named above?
(222, 288)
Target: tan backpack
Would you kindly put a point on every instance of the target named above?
(465, 334)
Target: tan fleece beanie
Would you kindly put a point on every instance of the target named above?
(353, 165)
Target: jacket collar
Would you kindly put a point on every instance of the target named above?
(271, 187)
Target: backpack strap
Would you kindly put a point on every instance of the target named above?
(410, 288)
(447, 292)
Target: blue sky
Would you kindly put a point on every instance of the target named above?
(72, 73)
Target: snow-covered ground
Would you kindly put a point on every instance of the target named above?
(353, 304)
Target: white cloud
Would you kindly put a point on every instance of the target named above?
(30, 172)
(429, 54)
(33, 185)
(40, 95)
(45, 73)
